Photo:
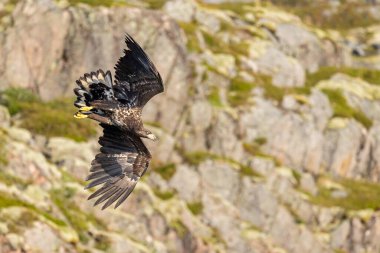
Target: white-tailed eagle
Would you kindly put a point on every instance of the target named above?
(123, 157)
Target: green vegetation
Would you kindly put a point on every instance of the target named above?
(152, 4)
(179, 227)
(239, 92)
(324, 73)
(295, 215)
(155, 4)
(78, 220)
(16, 99)
(8, 8)
(54, 118)
(260, 141)
(3, 152)
(248, 171)
(343, 109)
(192, 40)
(214, 97)
(166, 171)
(316, 13)
(297, 176)
(164, 195)
(9, 180)
(195, 158)
(24, 220)
(102, 242)
(253, 149)
(339, 251)
(153, 124)
(237, 7)
(218, 46)
(346, 16)
(195, 208)
(7, 200)
(360, 195)
(94, 3)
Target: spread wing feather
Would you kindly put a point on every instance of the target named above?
(137, 79)
(122, 160)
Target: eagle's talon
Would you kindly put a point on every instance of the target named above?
(86, 108)
(79, 115)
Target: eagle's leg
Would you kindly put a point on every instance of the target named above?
(99, 118)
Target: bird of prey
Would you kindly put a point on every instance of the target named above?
(117, 106)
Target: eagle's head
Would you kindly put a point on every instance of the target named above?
(147, 134)
(152, 137)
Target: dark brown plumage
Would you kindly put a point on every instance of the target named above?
(123, 157)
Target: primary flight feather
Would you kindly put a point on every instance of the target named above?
(117, 106)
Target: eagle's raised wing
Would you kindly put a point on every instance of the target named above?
(122, 160)
(137, 79)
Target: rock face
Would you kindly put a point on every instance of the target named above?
(87, 40)
(253, 156)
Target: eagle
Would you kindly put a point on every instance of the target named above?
(123, 157)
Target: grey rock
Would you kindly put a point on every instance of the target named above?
(213, 178)
(285, 71)
(222, 138)
(41, 238)
(181, 10)
(297, 42)
(85, 43)
(61, 152)
(297, 239)
(190, 189)
(372, 234)
(264, 166)
(340, 235)
(320, 109)
(328, 217)
(164, 148)
(5, 118)
(308, 183)
(256, 204)
(120, 245)
(31, 164)
(286, 135)
(340, 153)
(289, 103)
(373, 141)
(201, 115)
(19, 134)
(339, 194)
(222, 215)
(207, 19)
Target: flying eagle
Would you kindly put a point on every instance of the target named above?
(123, 157)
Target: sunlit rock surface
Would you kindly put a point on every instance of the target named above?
(269, 134)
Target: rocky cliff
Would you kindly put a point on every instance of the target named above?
(269, 128)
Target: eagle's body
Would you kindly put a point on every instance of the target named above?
(123, 157)
(127, 118)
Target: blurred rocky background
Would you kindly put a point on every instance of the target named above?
(269, 126)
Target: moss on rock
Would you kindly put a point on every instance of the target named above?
(360, 195)
(54, 118)
(343, 109)
(196, 207)
(166, 171)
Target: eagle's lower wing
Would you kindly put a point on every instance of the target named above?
(122, 160)
(137, 79)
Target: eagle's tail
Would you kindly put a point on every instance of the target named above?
(92, 87)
